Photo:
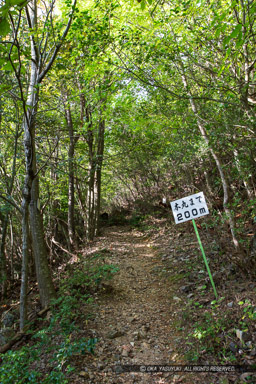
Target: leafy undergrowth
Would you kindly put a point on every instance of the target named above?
(215, 331)
(48, 357)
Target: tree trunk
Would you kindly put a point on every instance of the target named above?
(12, 251)
(31, 186)
(3, 261)
(24, 269)
(45, 284)
(218, 164)
(100, 151)
(240, 171)
(94, 184)
(90, 202)
(71, 189)
(90, 229)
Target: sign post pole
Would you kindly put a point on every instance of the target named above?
(190, 208)
(205, 260)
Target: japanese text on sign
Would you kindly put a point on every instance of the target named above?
(189, 208)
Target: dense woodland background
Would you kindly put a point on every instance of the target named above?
(108, 106)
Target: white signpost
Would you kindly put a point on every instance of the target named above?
(190, 208)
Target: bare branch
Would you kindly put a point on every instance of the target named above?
(49, 157)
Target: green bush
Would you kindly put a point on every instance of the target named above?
(22, 366)
(15, 366)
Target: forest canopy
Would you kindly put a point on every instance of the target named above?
(111, 105)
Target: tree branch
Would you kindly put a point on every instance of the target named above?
(58, 46)
(12, 202)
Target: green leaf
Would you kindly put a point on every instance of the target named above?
(4, 88)
(18, 2)
(7, 67)
(239, 40)
(4, 27)
(143, 4)
(221, 29)
(4, 10)
(235, 31)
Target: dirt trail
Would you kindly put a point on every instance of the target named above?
(138, 318)
(133, 320)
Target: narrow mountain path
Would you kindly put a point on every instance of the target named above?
(133, 320)
(136, 323)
